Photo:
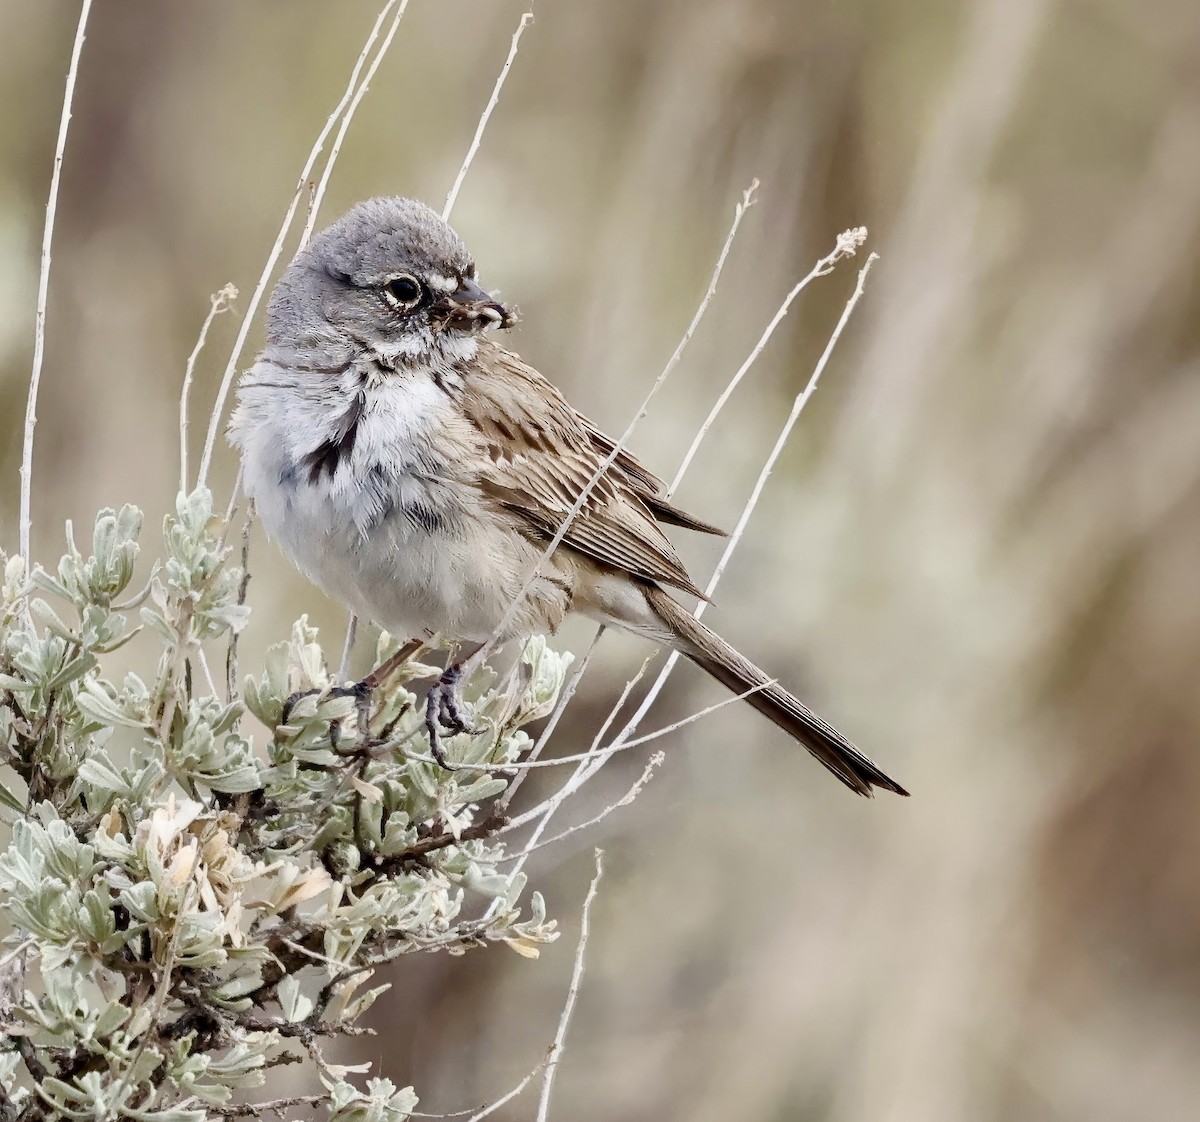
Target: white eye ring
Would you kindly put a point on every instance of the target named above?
(403, 292)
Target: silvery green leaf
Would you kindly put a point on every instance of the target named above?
(341, 1094)
(515, 889)
(370, 823)
(481, 789)
(381, 1103)
(43, 580)
(76, 668)
(50, 618)
(237, 987)
(99, 771)
(294, 1004)
(242, 1065)
(156, 621)
(14, 578)
(141, 901)
(83, 1099)
(356, 1007)
(96, 920)
(425, 777)
(494, 885)
(8, 799)
(94, 702)
(169, 1114)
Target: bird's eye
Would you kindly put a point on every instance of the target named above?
(403, 291)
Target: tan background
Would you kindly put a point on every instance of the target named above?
(979, 554)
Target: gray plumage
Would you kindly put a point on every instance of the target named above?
(415, 469)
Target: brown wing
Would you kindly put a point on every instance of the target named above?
(649, 487)
(542, 455)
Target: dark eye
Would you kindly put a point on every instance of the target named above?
(403, 291)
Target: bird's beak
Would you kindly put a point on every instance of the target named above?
(470, 308)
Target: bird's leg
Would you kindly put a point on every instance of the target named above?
(291, 701)
(443, 706)
(362, 691)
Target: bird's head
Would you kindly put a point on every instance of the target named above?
(389, 276)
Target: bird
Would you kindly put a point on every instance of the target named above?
(415, 469)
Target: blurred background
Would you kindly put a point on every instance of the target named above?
(979, 555)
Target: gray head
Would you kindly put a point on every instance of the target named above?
(389, 275)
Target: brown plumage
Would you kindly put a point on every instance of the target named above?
(416, 470)
(541, 454)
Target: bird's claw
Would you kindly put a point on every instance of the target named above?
(361, 692)
(443, 712)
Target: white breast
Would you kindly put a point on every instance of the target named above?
(395, 527)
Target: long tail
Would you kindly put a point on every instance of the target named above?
(708, 650)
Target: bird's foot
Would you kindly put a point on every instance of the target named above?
(291, 701)
(443, 712)
(361, 692)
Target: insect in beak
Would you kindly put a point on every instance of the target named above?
(471, 308)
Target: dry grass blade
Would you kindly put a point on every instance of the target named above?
(847, 243)
(798, 405)
(452, 197)
(314, 203)
(219, 302)
(595, 759)
(39, 330)
(620, 446)
(556, 1049)
(652, 765)
(478, 1114)
(256, 296)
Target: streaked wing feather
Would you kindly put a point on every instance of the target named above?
(649, 487)
(542, 456)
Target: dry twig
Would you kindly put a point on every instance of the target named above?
(556, 1049)
(452, 197)
(39, 330)
(256, 296)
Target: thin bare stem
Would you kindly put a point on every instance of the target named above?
(39, 326)
(17, 951)
(542, 808)
(348, 647)
(589, 769)
(315, 201)
(277, 249)
(492, 1107)
(560, 708)
(219, 302)
(847, 243)
(798, 405)
(160, 1000)
(556, 1049)
(652, 765)
(451, 198)
(619, 447)
(595, 754)
(272, 1106)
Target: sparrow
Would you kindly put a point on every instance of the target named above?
(413, 468)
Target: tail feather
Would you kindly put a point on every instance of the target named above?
(710, 652)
